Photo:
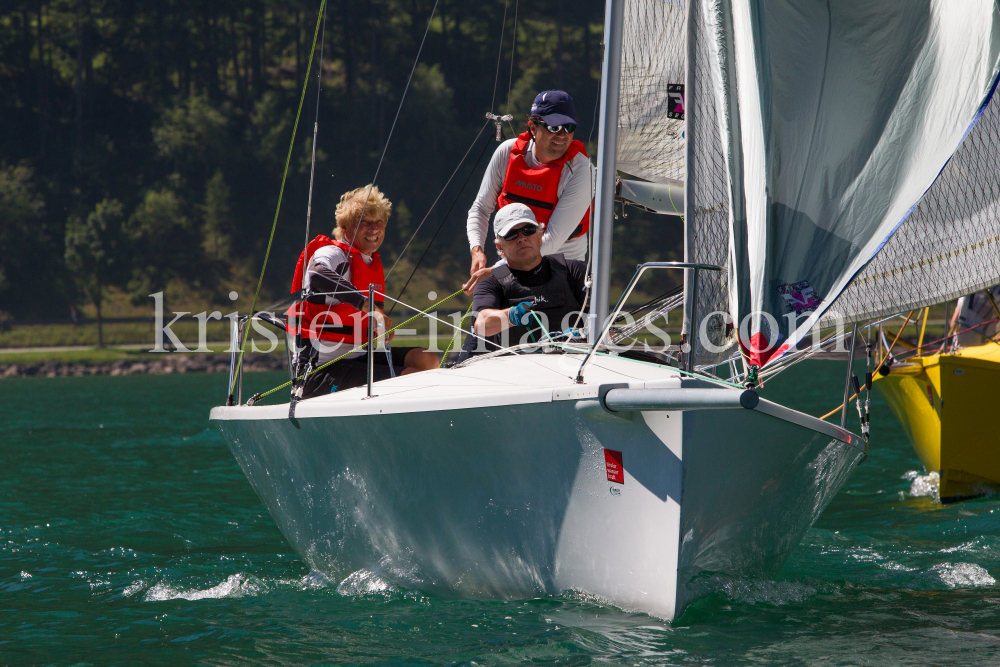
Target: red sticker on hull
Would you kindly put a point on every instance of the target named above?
(613, 463)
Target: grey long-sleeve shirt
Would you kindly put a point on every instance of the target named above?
(575, 188)
(329, 270)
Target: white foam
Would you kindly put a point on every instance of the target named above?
(925, 485)
(968, 547)
(315, 579)
(235, 586)
(963, 575)
(364, 582)
(392, 570)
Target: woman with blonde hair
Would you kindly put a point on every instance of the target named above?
(334, 318)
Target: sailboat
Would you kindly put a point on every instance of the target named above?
(801, 138)
(943, 392)
(953, 444)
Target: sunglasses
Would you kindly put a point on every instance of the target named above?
(513, 234)
(555, 129)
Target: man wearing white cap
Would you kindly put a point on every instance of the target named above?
(526, 293)
(544, 168)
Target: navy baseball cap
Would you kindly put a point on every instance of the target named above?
(555, 107)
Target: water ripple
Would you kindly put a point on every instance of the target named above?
(142, 543)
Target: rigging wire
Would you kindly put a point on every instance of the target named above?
(438, 230)
(281, 192)
(510, 77)
(388, 140)
(312, 164)
(513, 50)
(496, 78)
(392, 129)
(448, 182)
(590, 228)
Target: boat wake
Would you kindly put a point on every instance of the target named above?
(755, 591)
(963, 575)
(761, 591)
(237, 585)
(393, 569)
(365, 582)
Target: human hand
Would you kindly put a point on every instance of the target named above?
(385, 322)
(478, 260)
(476, 278)
(515, 314)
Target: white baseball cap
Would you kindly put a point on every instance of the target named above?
(510, 216)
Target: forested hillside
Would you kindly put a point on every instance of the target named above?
(143, 143)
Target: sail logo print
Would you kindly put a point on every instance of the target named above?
(799, 297)
(529, 186)
(614, 467)
(675, 97)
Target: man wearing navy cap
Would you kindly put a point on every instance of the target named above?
(547, 170)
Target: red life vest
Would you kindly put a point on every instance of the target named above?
(341, 323)
(538, 189)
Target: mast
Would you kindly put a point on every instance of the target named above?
(607, 152)
(688, 328)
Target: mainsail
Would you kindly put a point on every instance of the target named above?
(835, 119)
(650, 118)
(950, 244)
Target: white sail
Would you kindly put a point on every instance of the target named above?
(949, 246)
(836, 118)
(650, 126)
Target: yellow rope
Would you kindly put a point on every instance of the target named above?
(281, 192)
(920, 343)
(451, 343)
(362, 346)
(989, 295)
(877, 366)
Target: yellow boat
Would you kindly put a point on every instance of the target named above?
(946, 403)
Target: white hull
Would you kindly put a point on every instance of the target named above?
(490, 482)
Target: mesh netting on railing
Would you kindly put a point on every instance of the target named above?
(707, 194)
(650, 140)
(949, 246)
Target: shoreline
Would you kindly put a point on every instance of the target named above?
(161, 365)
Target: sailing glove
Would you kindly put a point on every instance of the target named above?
(515, 315)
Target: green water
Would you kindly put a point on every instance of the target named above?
(128, 534)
